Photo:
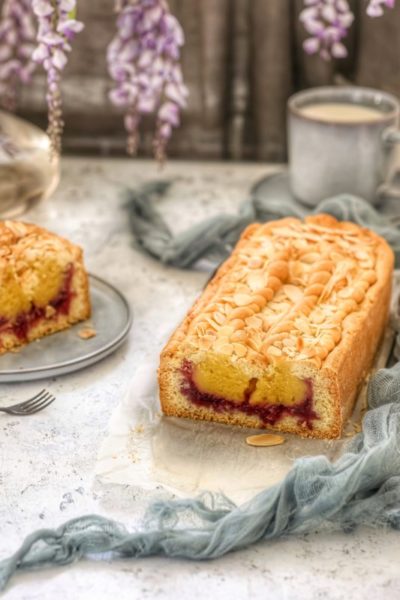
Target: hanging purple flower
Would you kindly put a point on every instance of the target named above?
(17, 42)
(143, 61)
(375, 8)
(327, 22)
(56, 29)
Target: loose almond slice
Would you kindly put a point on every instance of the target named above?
(265, 439)
(86, 333)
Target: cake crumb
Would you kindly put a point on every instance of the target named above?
(50, 311)
(86, 333)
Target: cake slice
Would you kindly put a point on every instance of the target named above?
(286, 331)
(43, 284)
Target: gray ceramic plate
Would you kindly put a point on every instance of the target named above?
(65, 351)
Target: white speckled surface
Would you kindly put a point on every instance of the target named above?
(47, 460)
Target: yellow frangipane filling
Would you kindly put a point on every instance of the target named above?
(217, 376)
(33, 265)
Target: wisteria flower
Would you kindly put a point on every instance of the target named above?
(327, 22)
(375, 8)
(17, 42)
(143, 61)
(56, 29)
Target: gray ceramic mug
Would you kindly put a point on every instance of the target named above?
(329, 157)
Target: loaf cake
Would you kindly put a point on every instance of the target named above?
(285, 332)
(43, 284)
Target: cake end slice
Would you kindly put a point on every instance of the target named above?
(43, 284)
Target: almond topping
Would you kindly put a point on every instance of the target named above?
(240, 313)
(86, 333)
(273, 351)
(286, 290)
(310, 257)
(239, 349)
(293, 292)
(255, 262)
(239, 336)
(320, 277)
(256, 281)
(314, 290)
(219, 318)
(274, 283)
(267, 293)
(255, 322)
(242, 299)
(279, 269)
(265, 439)
(237, 324)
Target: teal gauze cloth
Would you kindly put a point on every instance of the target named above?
(215, 237)
(361, 487)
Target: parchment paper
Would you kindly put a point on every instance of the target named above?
(147, 450)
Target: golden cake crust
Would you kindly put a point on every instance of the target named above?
(37, 271)
(314, 293)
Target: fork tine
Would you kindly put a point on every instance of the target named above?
(44, 405)
(38, 407)
(31, 404)
(26, 402)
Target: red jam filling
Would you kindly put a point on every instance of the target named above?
(269, 414)
(24, 321)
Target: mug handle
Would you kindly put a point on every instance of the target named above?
(390, 137)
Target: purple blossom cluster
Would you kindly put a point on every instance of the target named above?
(328, 22)
(375, 8)
(56, 30)
(143, 61)
(17, 42)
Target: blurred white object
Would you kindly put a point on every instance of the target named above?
(28, 173)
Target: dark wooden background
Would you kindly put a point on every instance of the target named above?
(241, 61)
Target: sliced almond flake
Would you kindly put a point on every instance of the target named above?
(211, 321)
(242, 299)
(267, 246)
(256, 281)
(219, 318)
(255, 262)
(204, 343)
(294, 293)
(274, 351)
(226, 331)
(318, 317)
(265, 439)
(366, 264)
(303, 325)
(227, 299)
(346, 293)
(362, 255)
(255, 322)
(310, 258)
(279, 307)
(239, 349)
(223, 346)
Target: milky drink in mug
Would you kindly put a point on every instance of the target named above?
(341, 140)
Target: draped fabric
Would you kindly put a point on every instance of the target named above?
(361, 488)
(242, 59)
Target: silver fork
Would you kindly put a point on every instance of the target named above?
(30, 406)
